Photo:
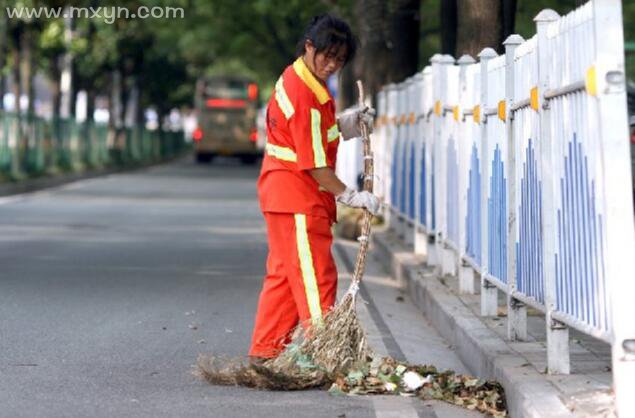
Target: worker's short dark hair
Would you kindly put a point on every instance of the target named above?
(329, 33)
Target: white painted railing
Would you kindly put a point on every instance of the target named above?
(517, 169)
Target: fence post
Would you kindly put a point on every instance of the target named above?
(434, 249)
(400, 224)
(466, 273)
(428, 85)
(408, 130)
(489, 292)
(420, 237)
(557, 332)
(378, 154)
(516, 310)
(620, 231)
(448, 263)
(389, 126)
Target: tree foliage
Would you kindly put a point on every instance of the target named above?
(164, 57)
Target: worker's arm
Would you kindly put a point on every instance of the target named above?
(325, 176)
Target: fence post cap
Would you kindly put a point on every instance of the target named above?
(436, 58)
(513, 39)
(487, 53)
(547, 15)
(447, 59)
(466, 59)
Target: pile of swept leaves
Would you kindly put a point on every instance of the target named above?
(386, 376)
(313, 358)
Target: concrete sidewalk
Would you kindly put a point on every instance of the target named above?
(480, 342)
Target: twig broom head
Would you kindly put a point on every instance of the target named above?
(314, 358)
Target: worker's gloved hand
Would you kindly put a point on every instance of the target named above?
(357, 199)
(348, 121)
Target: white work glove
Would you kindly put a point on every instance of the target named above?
(348, 121)
(357, 199)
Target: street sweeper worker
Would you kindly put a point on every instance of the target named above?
(298, 188)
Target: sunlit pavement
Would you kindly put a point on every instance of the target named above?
(111, 287)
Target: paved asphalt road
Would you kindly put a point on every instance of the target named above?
(111, 287)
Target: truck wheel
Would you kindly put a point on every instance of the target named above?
(204, 158)
(249, 159)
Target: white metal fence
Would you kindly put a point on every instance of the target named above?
(517, 168)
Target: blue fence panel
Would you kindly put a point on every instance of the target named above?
(497, 219)
(412, 175)
(422, 178)
(473, 219)
(452, 196)
(581, 288)
(529, 274)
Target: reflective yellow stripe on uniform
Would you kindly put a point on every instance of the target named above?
(281, 153)
(308, 272)
(333, 133)
(316, 136)
(309, 79)
(283, 100)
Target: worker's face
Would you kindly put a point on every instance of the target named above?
(324, 64)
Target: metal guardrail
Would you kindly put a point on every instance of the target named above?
(521, 175)
(34, 146)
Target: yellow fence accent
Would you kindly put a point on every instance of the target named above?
(502, 110)
(590, 81)
(534, 100)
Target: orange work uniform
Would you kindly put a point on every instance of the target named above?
(301, 280)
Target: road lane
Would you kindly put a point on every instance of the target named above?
(111, 287)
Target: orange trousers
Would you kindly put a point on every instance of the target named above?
(301, 280)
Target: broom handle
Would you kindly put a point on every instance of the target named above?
(368, 186)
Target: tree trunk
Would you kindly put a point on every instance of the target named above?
(372, 65)
(74, 89)
(91, 95)
(449, 26)
(405, 35)
(479, 26)
(27, 61)
(56, 90)
(389, 45)
(66, 83)
(125, 99)
(15, 53)
(508, 13)
(115, 100)
(139, 118)
(347, 92)
(3, 56)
